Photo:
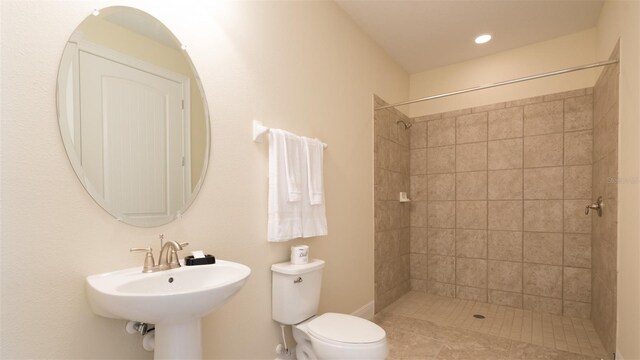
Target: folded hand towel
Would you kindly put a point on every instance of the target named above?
(314, 150)
(284, 216)
(314, 218)
(293, 164)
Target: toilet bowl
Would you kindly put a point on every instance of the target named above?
(295, 300)
(339, 336)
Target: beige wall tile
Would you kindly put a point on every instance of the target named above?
(380, 184)
(471, 128)
(405, 240)
(577, 284)
(398, 132)
(441, 132)
(456, 113)
(543, 248)
(441, 242)
(489, 107)
(471, 272)
(505, 298)
(418, 162)
(441, 160)
(418, 213)
(542, 280)
(471, 157)
(604, 313)
(578, 113)
(505, 154)
(543, 150)
(441, 268)
(576, 309)
(418, 266)
(526, 101)
(505, 123)
(505, 275)
(418, 285)
(505, 245)
(575, 221)
(471, 214)
(441, 186)
(427, 117)
(471, 293)
(441, 214)
(418, 240)
(471, 185)
(578, 148)
(577, 250)
(543, 215)
(417, 188)
(471, 243)
(542, 304)
(418, 135)
(441, 289)
(505, 215)
(565, 94)
(543, 183)
(577, 182)
(387, 183)
(388, 242)
(505, 184)
(381, 123)
(543, 118)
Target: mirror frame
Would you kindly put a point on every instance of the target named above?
(65, 65)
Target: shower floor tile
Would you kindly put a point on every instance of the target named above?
(424, 326)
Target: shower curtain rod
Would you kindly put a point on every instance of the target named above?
(507, 82)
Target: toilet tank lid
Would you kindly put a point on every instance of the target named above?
(290, 269)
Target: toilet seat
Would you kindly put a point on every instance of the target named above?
(345, 329)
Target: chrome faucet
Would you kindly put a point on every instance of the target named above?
(168, 258)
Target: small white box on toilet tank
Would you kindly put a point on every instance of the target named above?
(295, 291)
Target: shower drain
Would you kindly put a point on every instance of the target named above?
(478, 316)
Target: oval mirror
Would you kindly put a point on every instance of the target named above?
(133, 116)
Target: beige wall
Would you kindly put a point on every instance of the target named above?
(559, 53)
(303, 66)
(621, 19)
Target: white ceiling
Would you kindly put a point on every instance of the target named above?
(422, 35)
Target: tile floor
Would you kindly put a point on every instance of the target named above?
(423, 326)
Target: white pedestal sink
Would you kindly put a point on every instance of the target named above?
(174, 300)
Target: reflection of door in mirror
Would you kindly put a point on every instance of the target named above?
(132, 132)
(136, 140)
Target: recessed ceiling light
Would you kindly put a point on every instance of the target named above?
(482, 39)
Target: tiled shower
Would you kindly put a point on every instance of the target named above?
(497, 211)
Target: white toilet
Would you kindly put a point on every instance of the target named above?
(295, 298)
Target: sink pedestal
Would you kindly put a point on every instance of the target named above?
(178, 340)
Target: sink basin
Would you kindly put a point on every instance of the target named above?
(174, 300)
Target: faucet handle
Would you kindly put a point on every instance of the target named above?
(149, 262)
(147, 249)
(183, 244)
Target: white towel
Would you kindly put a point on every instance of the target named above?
(284, 216)
(293, 165)
(314, 150)
(314, 218)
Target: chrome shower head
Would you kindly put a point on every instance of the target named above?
(406, 126)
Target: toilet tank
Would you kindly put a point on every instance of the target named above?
(295, 291)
